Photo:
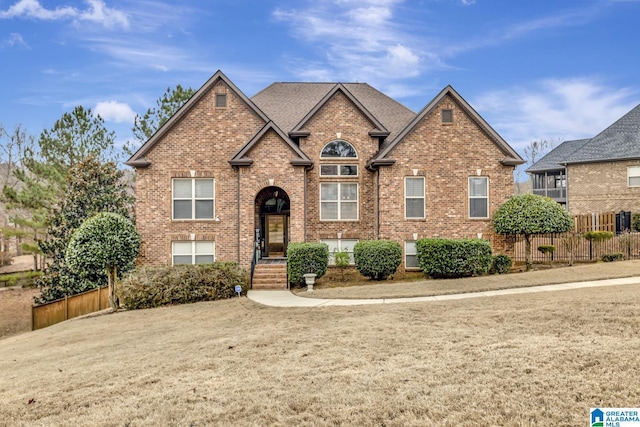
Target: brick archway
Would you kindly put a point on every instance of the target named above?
(272, 213)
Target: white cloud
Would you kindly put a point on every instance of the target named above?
(554, 109)
(113, 111)
(354, 37)
(97, 12)
(14, 39)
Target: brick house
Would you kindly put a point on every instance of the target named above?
(600, 174)
(330, 162)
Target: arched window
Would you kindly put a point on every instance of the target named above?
(338, 149)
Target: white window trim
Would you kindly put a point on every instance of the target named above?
(339, 201)
(630, 174)
(193, 250)
(338, 158)
(424, 198)
(417, 267)
(338, 165)
(469, 197)
(193, 200)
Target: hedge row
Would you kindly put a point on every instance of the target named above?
(156, 286)
(446, 258)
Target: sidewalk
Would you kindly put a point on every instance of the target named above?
(287, 299)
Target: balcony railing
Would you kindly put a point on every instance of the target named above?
(554, 193)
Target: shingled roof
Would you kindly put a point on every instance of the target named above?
(288, 103)
(556, 158)
(620, 141)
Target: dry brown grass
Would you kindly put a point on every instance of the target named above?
(534, 359)
(15, 310)
(414, 284)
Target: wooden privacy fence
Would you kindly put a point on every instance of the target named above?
(596, 221)
(63, 309)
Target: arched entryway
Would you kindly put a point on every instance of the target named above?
(272, 221)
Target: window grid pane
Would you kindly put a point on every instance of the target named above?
(328, 170)
(193, 198)
(478, 197)
(634, 181)
(414, 197)
(339, 201)
(340, 245)
(200, 252)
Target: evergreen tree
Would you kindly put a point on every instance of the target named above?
(167, 105)
(91, 188)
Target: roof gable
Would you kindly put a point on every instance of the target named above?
(241, 159)
(379, 130)
(138, 158)
(511, 158)
(288, 103)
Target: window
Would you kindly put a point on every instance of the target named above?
(340, 245)
(633, 174)
(338, 149)
(410, 254)
(338, 170)
(221, 100)
(199, 252)
(479, 197)
(193, 198)
(338, 201)
(447, 116)
(414, 197)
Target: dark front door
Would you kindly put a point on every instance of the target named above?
(276, 235)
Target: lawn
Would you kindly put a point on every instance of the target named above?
(532, 359)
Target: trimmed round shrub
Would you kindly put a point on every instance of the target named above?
(303, 258)
(617, 256)
(449, 258)
(598, 235)
(500, 264)
(377, 259)
(157, 286)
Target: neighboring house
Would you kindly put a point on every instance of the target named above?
(601, 174)
(331, 162)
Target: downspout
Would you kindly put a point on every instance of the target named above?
(377, 204)
(304, 197)
(238, 219)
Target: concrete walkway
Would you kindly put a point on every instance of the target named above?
(287, 299)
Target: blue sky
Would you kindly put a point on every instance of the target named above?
(552, 69)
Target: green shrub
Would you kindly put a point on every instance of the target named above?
(500, 264)
(598, 235)
(156, 286)
(617, 256)
(547, 249)
(341, 259)
(377, 259)
(635, 222)
(303, 258)
(453, 258)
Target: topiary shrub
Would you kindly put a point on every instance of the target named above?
(303, 258)
(547, 250)
(448, 258)
(500, 264)
(612, 257)
(157, 286)
(377, 259)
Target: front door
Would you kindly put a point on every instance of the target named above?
(276, 235)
